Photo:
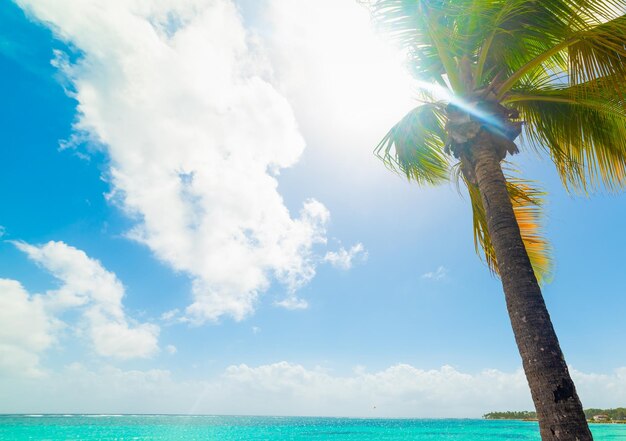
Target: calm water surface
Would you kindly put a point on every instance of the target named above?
(227, 428)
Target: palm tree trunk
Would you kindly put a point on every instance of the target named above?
(558, 407)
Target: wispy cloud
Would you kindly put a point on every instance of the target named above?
(171, 317)
(439, 274)
(293, 303)
(345, 259)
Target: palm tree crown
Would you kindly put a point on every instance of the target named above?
(553, 71)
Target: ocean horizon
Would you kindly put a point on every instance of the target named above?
(159, 427)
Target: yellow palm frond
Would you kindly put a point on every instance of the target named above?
(527, 204)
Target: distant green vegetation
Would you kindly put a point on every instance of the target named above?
(613, 414)
(511, 415)
(618, 414)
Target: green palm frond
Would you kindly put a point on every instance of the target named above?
(433, 32)
(582, 127)
(600, 52)
(510, 38)
(580, 56)
(527, 204)
(520, 31)
(415, 146)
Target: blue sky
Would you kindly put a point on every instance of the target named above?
(197, 181)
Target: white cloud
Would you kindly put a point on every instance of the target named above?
(171, 316)
(171, 349)
(98, 294)
(275, 389)
(285, 388)
(344, 259)
(439, 274)
(400, 390)
(293, 303)
(26, 330)
(601, 390)
(196, 135)
(118, 339)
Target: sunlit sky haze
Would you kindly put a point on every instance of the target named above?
(193, 221)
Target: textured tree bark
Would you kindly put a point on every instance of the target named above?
(558, 407)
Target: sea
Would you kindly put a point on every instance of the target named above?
(244, 428)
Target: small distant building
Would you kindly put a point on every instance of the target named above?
(601, 418)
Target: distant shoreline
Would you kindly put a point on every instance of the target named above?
(593, 415)
(534, 420)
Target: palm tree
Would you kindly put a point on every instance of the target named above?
(552, 71)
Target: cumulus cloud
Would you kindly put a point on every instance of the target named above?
(284, 388)
(277, 389)
(96, 292)
(27, 330)
(439, 274)
(344, 259)
(400, 390)
(601, 390)
(177, 92)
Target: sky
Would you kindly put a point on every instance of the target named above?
(192, 221)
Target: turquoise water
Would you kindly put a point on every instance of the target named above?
(227, 428)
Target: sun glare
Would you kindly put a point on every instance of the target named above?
(350, 71)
